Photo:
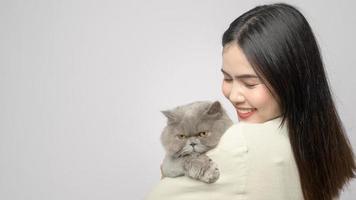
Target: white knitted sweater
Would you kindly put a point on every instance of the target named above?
(256, 162)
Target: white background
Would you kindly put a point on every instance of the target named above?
(82, 83)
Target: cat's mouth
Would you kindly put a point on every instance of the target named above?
(188, 150)
(196, 149)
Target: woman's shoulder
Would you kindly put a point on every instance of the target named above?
(270, 138)
(243, 134)
(264, 143)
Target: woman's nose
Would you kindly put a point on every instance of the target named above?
(236, 94)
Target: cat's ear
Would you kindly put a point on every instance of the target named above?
(170, 116)
(214, 110)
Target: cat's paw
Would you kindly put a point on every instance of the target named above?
(212, 174)
(201, 168)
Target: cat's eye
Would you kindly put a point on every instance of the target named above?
(181, 136)
(201, 134)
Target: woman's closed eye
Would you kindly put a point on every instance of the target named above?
(250, 85)
(227, 79)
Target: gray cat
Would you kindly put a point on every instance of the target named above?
(192, 130)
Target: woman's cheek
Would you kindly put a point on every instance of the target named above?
(260, 97)
(225, 89)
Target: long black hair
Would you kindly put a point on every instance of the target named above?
(280, 45)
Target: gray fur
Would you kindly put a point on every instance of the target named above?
(190, 120)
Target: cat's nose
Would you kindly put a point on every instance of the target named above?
(193, 144)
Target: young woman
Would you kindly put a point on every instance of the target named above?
(290, 142)
(272, 67)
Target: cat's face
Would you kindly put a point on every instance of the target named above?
(195, 127)
(179, 142)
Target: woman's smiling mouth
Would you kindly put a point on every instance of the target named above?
(245, 113)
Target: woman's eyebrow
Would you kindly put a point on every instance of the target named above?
(242, 76)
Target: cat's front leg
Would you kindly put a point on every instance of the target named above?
(172, 167)
(201, 167)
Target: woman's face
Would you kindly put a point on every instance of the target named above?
(251, 98)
